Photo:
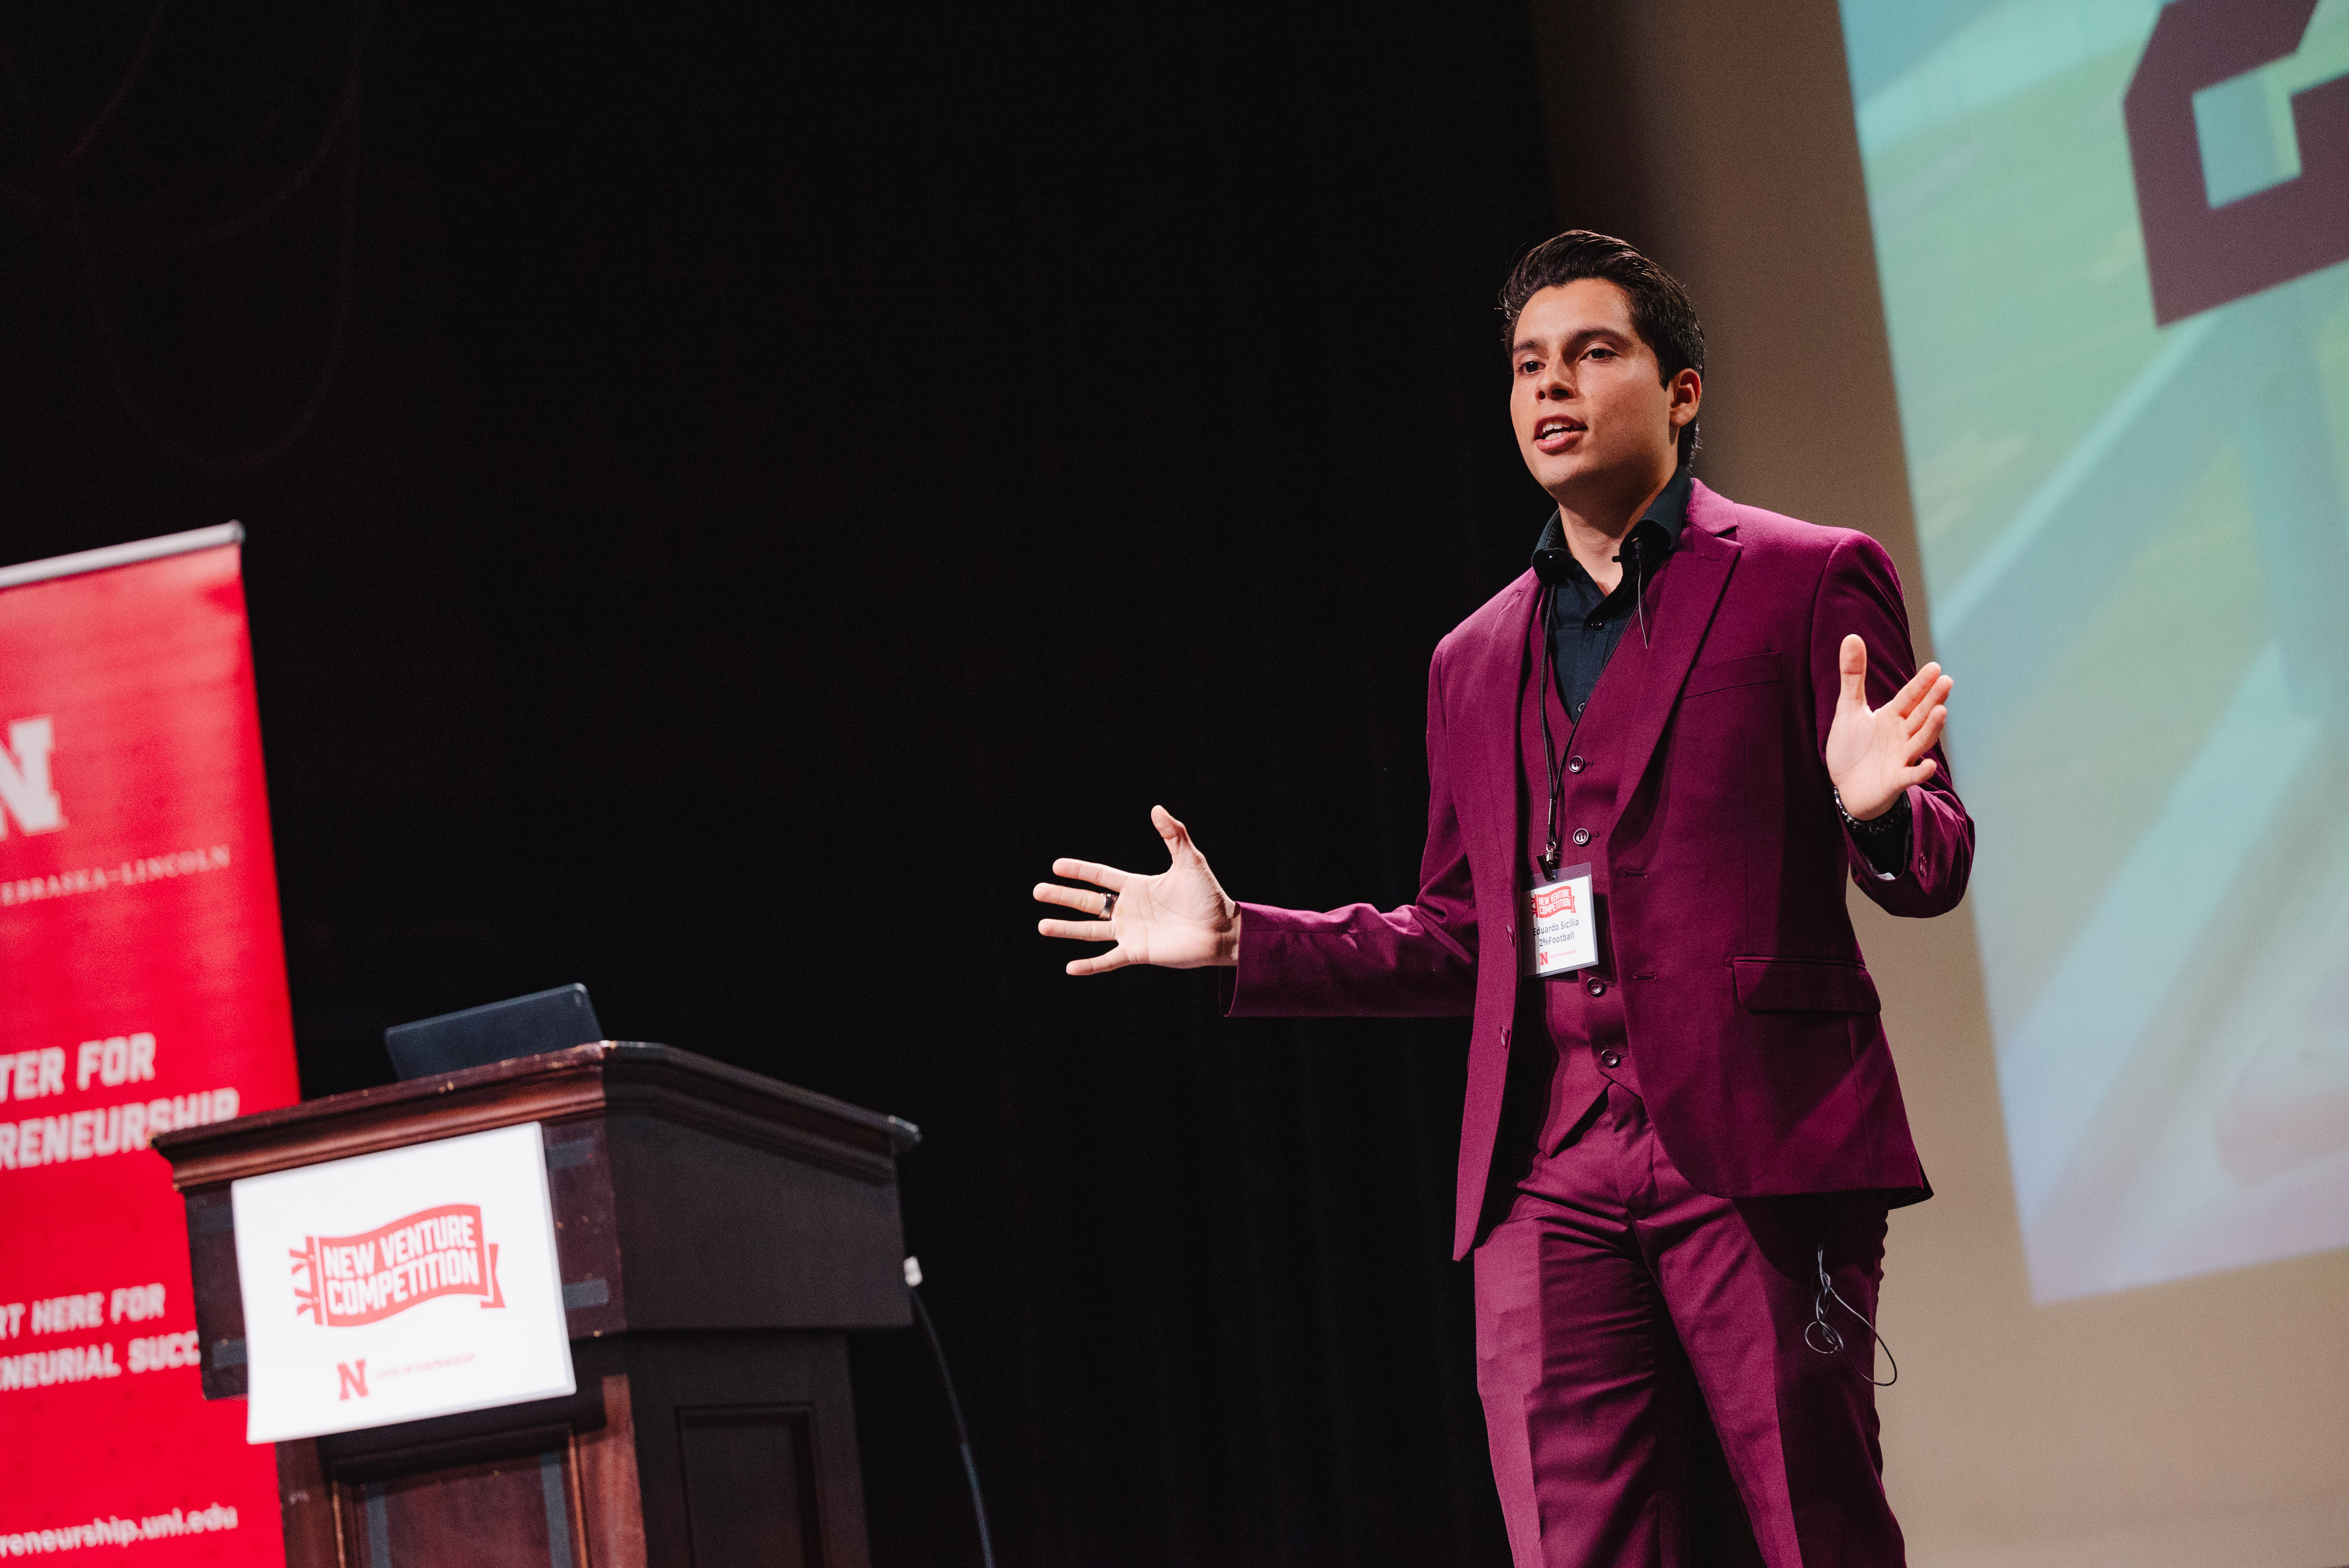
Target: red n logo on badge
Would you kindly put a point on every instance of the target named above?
(351, 1377)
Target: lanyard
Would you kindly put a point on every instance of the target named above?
(1545, 606)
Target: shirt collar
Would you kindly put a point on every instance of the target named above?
(1668, 514)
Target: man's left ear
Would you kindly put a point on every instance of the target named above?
(1688, 392)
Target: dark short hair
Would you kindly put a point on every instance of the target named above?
(1660, 311)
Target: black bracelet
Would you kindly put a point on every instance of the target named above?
(1896, 818)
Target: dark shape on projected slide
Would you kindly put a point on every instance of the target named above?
(2199, 256)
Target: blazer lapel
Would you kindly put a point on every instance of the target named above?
(1485, 690)
(1699, 572)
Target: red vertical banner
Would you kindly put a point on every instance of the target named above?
(143, 988)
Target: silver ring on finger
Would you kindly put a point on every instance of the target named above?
(1108, 905)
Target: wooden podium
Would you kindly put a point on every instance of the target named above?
(718, 1232)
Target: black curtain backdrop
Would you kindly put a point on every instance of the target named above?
(732, 495)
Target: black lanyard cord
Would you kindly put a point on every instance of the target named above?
(1544, 607)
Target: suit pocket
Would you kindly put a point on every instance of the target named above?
(1725, 675)
(1804, 985)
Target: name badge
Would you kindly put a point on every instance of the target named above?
(1561, 925)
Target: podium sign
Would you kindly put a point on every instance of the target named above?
(390, 1287)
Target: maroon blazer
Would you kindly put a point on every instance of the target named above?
(1719, 879)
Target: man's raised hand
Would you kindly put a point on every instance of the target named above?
(1875, 753)
(1179, 919)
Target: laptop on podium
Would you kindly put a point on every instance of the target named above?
(494, 1032)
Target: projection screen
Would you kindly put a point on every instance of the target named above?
(2111, 238)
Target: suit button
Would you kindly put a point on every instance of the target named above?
(1612, 1058)
(1581, 835)
(1597, 988)
(1575, 765)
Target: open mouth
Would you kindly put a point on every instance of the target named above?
(1555, 433)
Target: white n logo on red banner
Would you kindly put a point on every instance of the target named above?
(24, 792)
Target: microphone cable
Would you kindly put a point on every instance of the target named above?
(954, 1404)
(1827, 1340)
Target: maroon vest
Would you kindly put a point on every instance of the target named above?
(1582, 1015)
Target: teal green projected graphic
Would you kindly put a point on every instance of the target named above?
(2137, 562)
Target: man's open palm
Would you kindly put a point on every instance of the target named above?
(1179, 919)
(1875, 753)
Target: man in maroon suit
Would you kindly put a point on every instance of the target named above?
(1669, 740)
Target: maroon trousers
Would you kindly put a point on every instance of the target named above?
(1649, 1394)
